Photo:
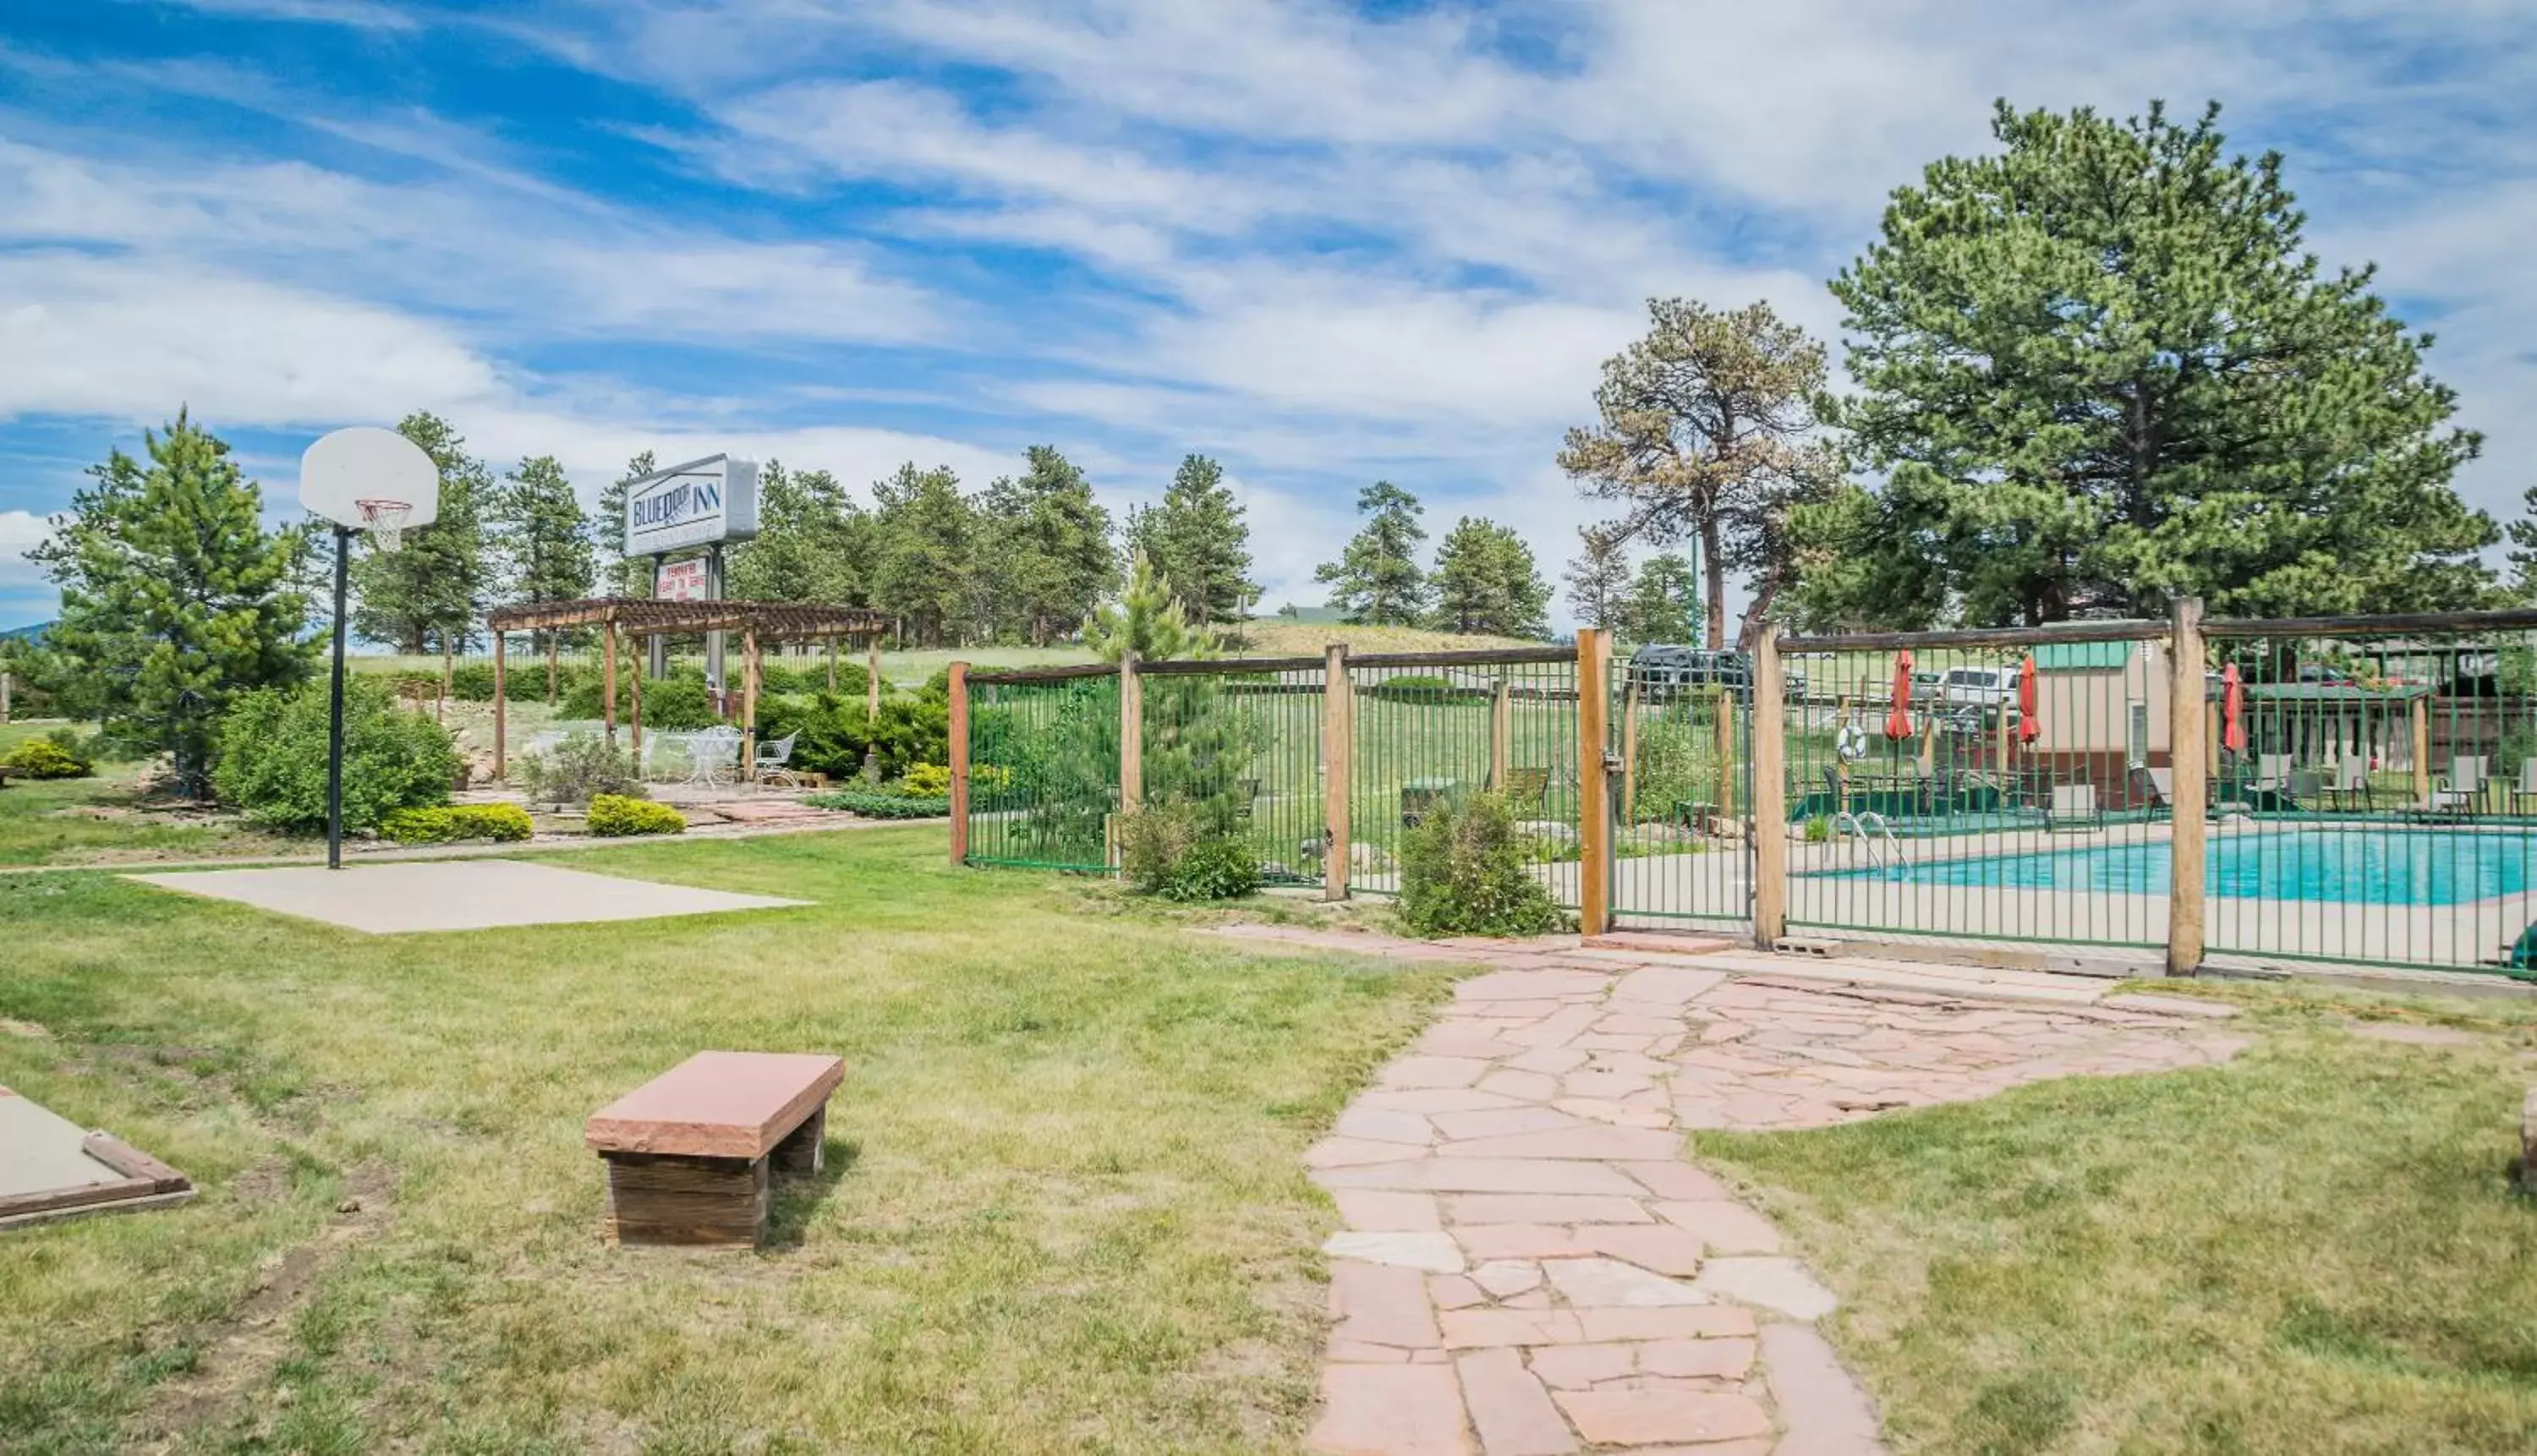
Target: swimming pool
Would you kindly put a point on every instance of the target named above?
(2374, 865)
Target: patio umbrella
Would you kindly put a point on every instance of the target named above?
(2232, 710)
(2029, 727)
(1898, 724)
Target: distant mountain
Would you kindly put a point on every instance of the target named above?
(26, 633)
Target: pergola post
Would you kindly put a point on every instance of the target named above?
(608, 684)
(749, 703)
(871, 680)
(501, 759)
(634, 700)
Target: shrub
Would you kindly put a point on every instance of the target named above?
(273, 756)
(580, 769)
(881, 805)
(44, 758)
(1215, 869)
(673, 705)
(1171, 850)
(613, 816)
(1423, 687)
(450, 823)
(524, 680)
(926, 781)
(1462, 872)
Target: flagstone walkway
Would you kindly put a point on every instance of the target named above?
(1531, 1267)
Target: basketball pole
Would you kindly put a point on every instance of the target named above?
(335, 711)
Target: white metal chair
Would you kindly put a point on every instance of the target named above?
(2526, 789)
(712, 753)
(2457, 791)
(2075, 805)
(773, 760)
(2351, 780)
(2272, 773)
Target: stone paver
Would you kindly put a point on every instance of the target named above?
(1527, 1264)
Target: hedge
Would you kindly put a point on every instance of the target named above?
(881, 805)
(451, 823)
(45, 759)
(613, 816)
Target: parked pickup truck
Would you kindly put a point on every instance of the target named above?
(1981, 688)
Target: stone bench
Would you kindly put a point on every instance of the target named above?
(689, 1153)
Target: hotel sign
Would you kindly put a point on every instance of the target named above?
(697, 504)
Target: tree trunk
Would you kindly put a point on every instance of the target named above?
(1713, 568)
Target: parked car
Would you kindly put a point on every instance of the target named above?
(1929, 688)
(1661, 671)
(1981, 688)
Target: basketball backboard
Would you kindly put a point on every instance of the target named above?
(368, 464)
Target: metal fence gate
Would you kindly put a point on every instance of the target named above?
(1681, 792)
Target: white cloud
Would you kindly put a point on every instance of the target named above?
(21, 531)
(366, 15)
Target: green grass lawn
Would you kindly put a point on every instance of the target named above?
(74, 821)
(2312, 1249)
(1066, 1208)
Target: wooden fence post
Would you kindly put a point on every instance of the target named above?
(1501, 732)
(2189, 770)
(2422, 751)
(1594, 785)
(960, 756)
(634, 700)
(1339, 764)
(1770, 790)
(1131, 735)
(608, 684)
(501, 759)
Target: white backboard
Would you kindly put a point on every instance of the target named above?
(367, 463)
(697, 504)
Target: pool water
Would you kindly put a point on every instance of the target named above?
(2361, 866)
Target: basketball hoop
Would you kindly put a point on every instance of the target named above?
(385, 521)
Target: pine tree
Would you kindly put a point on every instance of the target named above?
(545, 534)
(924, 572)
(810, 544)
(623, 575)
(2523, 548)
(432, 594)
(1485, 583)
(176, 599)
(1149, 619)
(1377, 580)
(1048, 548)
(1664, 602)
(1199, 540)
(1599, 578)
(2099, 370)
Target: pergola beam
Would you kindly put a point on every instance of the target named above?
(637, 615)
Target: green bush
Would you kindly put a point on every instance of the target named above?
(273, 756)
(613, 816)
(46, 758)
(1462, 872)
(579, 769)
(834, 729)
(811, 678)
(451, 823)
(881, 805)
(1423, 687)
(926, 781)
(525, 681)
(1215, 869)
(672, 705)
(1172, 849)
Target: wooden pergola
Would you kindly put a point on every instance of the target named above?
(757, 623)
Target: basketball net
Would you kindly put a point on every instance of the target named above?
(386, 522)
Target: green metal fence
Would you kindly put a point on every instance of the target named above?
(1682, 792)
(1242, 742)
(1044, 768)
(1430, 727)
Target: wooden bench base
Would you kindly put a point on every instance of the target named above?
(670, 1198)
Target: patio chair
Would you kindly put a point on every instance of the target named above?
(2526, 789)
(1526, 788)
(2073, 805)
(2456, 791)
(2155, 788)
(773, 761)
(2351, 781)
(2272, 773)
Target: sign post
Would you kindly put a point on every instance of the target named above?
(703, 503)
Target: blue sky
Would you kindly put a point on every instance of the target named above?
(1322, 242)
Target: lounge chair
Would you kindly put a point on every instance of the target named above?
(2272, 773)
(2526, 789)
(2075, 805)
(2457, 791)
(2351, 781)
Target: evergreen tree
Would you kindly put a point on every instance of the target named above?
(176, 599)
(2523, 548)
(1599, 578)
(432, 594)
(924, 572)
(1485, 583)
(1707, 434)
(545, 532)
(1150, 619)
(1664, 602)
(811, 546)
(1377, 580)
(1048, 547)
(1200, 542)
(623, 575)
(2099, 371)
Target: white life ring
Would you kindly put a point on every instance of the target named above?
(1851, 742)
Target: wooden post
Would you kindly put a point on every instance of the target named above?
(832, 666)
(1723, 696)
(748, 703)
(1770, 791)
(634, 700)
(1501, 733)
(1339, 759)
(501, 760)
(2188, 769)
(608, 683)
(2423, 750)
(960, 756)
(871, 682)
(1629, 756)
(1593, 787)
(552, 638)
(1131, 735)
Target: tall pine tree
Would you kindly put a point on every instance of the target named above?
(176, 599)
(1048, 548)
(1199, 540)
(2099, 370)
(924, 570)
(1664, 602)
(622, 575)
(544, 531)
(811, 546)
(1485, 583)
(1598, 577)
(1376, 581)
(432, 594)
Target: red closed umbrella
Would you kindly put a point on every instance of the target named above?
(2232, 710)
(2029, 727)
(1898, 724)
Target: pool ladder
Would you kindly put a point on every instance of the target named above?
(1869, 826)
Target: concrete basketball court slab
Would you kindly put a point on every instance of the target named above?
(455, 895)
